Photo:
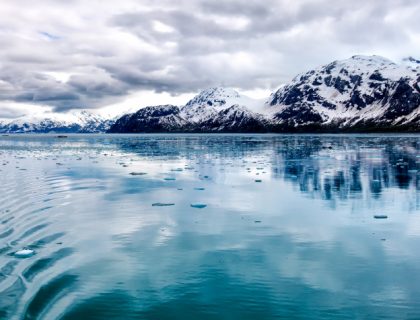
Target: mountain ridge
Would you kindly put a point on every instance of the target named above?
(76, 122)
(359, 94)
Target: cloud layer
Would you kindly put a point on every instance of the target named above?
(90, 54)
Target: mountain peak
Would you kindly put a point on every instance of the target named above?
(362, 63)
(214, 97)
(371, 59)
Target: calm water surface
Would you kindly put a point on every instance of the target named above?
(288, 230)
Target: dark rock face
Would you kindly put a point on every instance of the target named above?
(405, 99)
(299, 115)
(234, 119)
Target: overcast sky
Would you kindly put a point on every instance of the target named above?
(62, 55)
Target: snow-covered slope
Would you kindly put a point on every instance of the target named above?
(360, 93)
(75, 122)
(209, 103)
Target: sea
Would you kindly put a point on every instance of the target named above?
(209, 226)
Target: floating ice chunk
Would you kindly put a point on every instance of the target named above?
(380, 216)
(198, 205)
(138, 173)
(24, 253)
(160, 204)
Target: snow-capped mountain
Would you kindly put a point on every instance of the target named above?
(361, 93)
(224, 110)
(209, 103)
(212, 110)
(75, 122)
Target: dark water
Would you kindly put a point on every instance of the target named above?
(302, 243)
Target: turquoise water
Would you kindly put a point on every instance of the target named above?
(210, 227)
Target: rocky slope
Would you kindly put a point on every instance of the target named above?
(359, 94)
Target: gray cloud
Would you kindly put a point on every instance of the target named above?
(7, 112)
(72, 55)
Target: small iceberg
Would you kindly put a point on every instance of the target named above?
(198, 205)
(380, 216)
(24, 253)
(138, 173)
(160, 204)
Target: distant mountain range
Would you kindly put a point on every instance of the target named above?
(75, 122)
(360, 94)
